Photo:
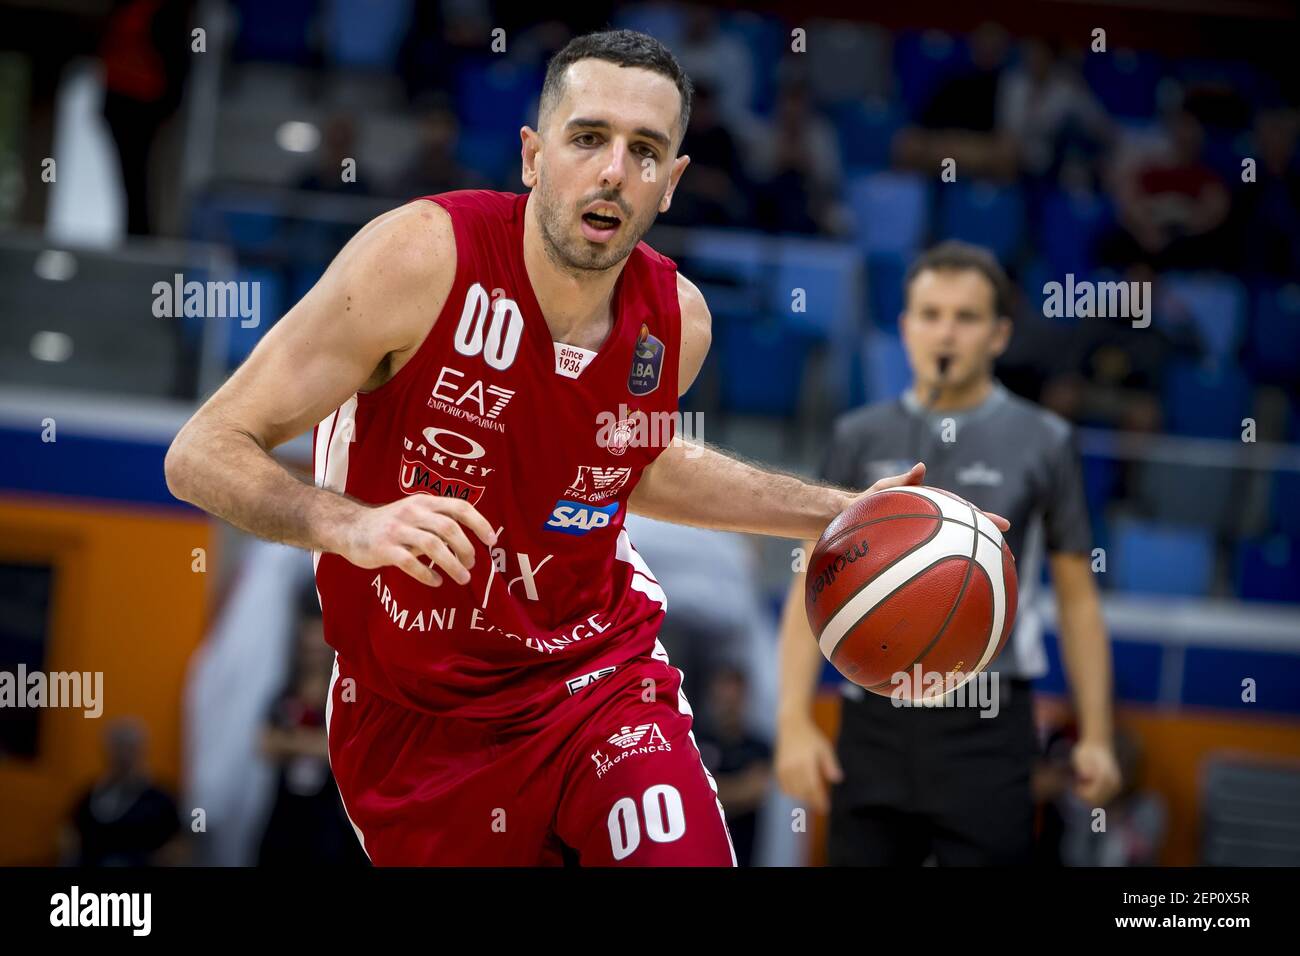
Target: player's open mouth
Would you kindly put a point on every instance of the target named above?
(598, 227)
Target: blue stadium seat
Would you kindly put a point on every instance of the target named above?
(1033, 275)
(663, 21)
(1215, 304)
(762, 364)
(1206, 402)
(886, 372)
(492, 152)
(1284, 509)
(924, 61)
(1152, 558)
(830, 299)
(1070, 225)
(252, 226)
(274, 32)
(365, 34)
(983, 213)
(1125, 81)
(494, 94)
(892, 212)
(1274, 348)
(885, 295)
(866, 130)
(1268, 569)
(271, 306)
(734, 258)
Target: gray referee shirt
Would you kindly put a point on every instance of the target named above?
(1005, 455)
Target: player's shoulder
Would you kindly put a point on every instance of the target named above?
(413, 242)
(1033, 421)
(482, 202)
(691, 302)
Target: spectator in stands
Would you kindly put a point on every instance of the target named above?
(1172, 207)
(435, 169)
(439, 38)
(1046, 110)
(722, 61)
(1111, 373)
(741, 763)
(717, 190)
(125, 818)
(1269, 208)
(146, 56)
(307, 822)
(960, 121)
(797, 165)
(338, 144)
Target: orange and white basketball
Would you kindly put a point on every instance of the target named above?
(909, 577)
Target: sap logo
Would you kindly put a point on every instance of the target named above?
(575, 517)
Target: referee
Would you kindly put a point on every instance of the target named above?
(953, 782)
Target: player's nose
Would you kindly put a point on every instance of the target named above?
(614, 172)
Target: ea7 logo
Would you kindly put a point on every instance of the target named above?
(575, 684)
(576, 517)
(595, 484)
(487, 399)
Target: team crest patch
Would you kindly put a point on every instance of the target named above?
(647, 363)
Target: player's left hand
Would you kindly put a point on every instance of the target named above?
(916, 476)
(1096, 772)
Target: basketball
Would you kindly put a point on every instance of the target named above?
(911, 581)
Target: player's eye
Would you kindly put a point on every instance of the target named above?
(586, 139)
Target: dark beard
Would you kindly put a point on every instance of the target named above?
(582, 262)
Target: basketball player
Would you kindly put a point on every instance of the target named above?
(479, 367)
(954, 782)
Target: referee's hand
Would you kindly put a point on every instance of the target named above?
(805, 762)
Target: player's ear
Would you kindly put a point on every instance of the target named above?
(1002, 335)
(530, 147)
(679, 166)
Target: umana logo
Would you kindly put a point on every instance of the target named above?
(418, 479)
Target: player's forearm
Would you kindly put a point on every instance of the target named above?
(229, 475)
(1085, 651)
(799, 657)
(694, 485)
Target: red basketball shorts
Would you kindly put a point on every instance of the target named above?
(614, 776)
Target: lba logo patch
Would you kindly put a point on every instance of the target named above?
(647, 363)
(577, 517)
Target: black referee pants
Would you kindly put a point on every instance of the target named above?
(935, 780)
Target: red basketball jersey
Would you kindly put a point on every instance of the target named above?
(547, 441)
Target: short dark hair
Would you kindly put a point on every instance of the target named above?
(626, 48)
(953, 255)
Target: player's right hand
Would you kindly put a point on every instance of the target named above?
(806, 762)
(401, 533)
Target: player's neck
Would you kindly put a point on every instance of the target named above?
(952, 398)
(577, 307)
